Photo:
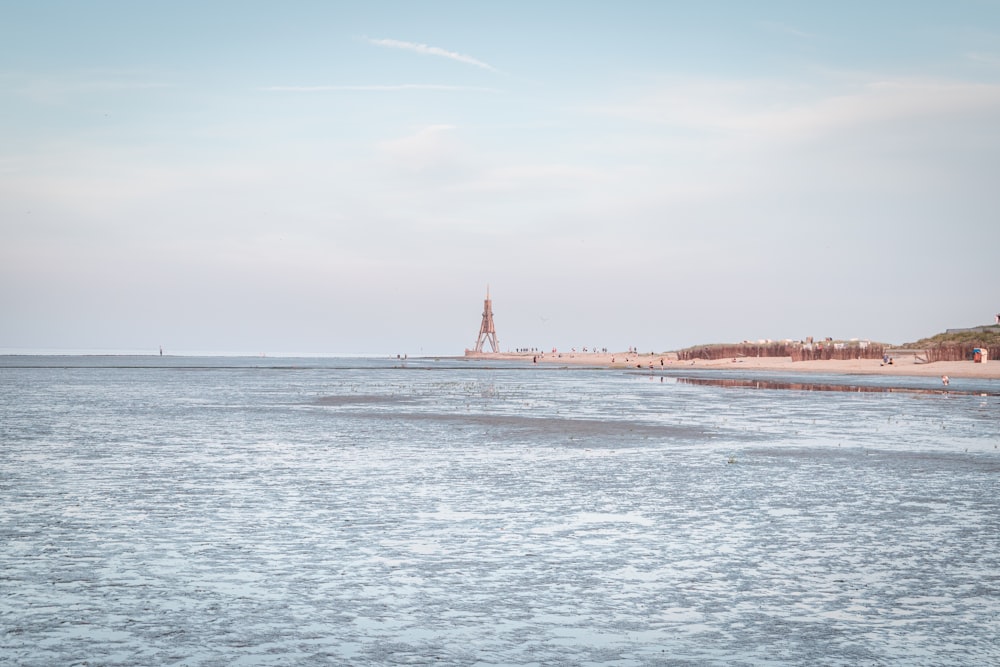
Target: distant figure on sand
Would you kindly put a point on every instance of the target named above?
(945, 380)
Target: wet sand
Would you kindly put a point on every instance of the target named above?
(359, 511)
(903, 364)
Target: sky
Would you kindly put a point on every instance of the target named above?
(350, 177)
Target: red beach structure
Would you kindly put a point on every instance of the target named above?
(487, 330)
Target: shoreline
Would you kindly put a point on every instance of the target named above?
(902, 365)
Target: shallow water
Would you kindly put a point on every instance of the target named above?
(318, 511)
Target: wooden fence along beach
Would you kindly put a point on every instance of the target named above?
(846, 350)
(798, 351)
(960, 352)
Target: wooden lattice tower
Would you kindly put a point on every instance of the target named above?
(487, 330)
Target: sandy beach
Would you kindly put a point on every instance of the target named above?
(903, 364)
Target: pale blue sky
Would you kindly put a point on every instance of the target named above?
(348, 177)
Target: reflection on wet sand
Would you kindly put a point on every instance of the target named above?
(754, 383)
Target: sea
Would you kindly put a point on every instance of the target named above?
(383, 511)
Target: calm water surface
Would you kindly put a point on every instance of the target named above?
(197, 511)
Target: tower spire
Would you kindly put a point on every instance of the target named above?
(487, 330)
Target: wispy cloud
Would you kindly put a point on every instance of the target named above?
(59, 89)
(774, 26)
(427, 50)
(430, 146)
(377, 88)
(991, 59)
(773, 110)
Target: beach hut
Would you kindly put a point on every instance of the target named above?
(980, 355)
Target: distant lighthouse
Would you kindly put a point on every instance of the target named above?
(487, 330)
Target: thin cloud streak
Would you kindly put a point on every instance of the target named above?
(774, 26)
(54, 89)
(378, 88)
(991, 59)
(425, 49)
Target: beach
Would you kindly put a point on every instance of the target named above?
(902, 364)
